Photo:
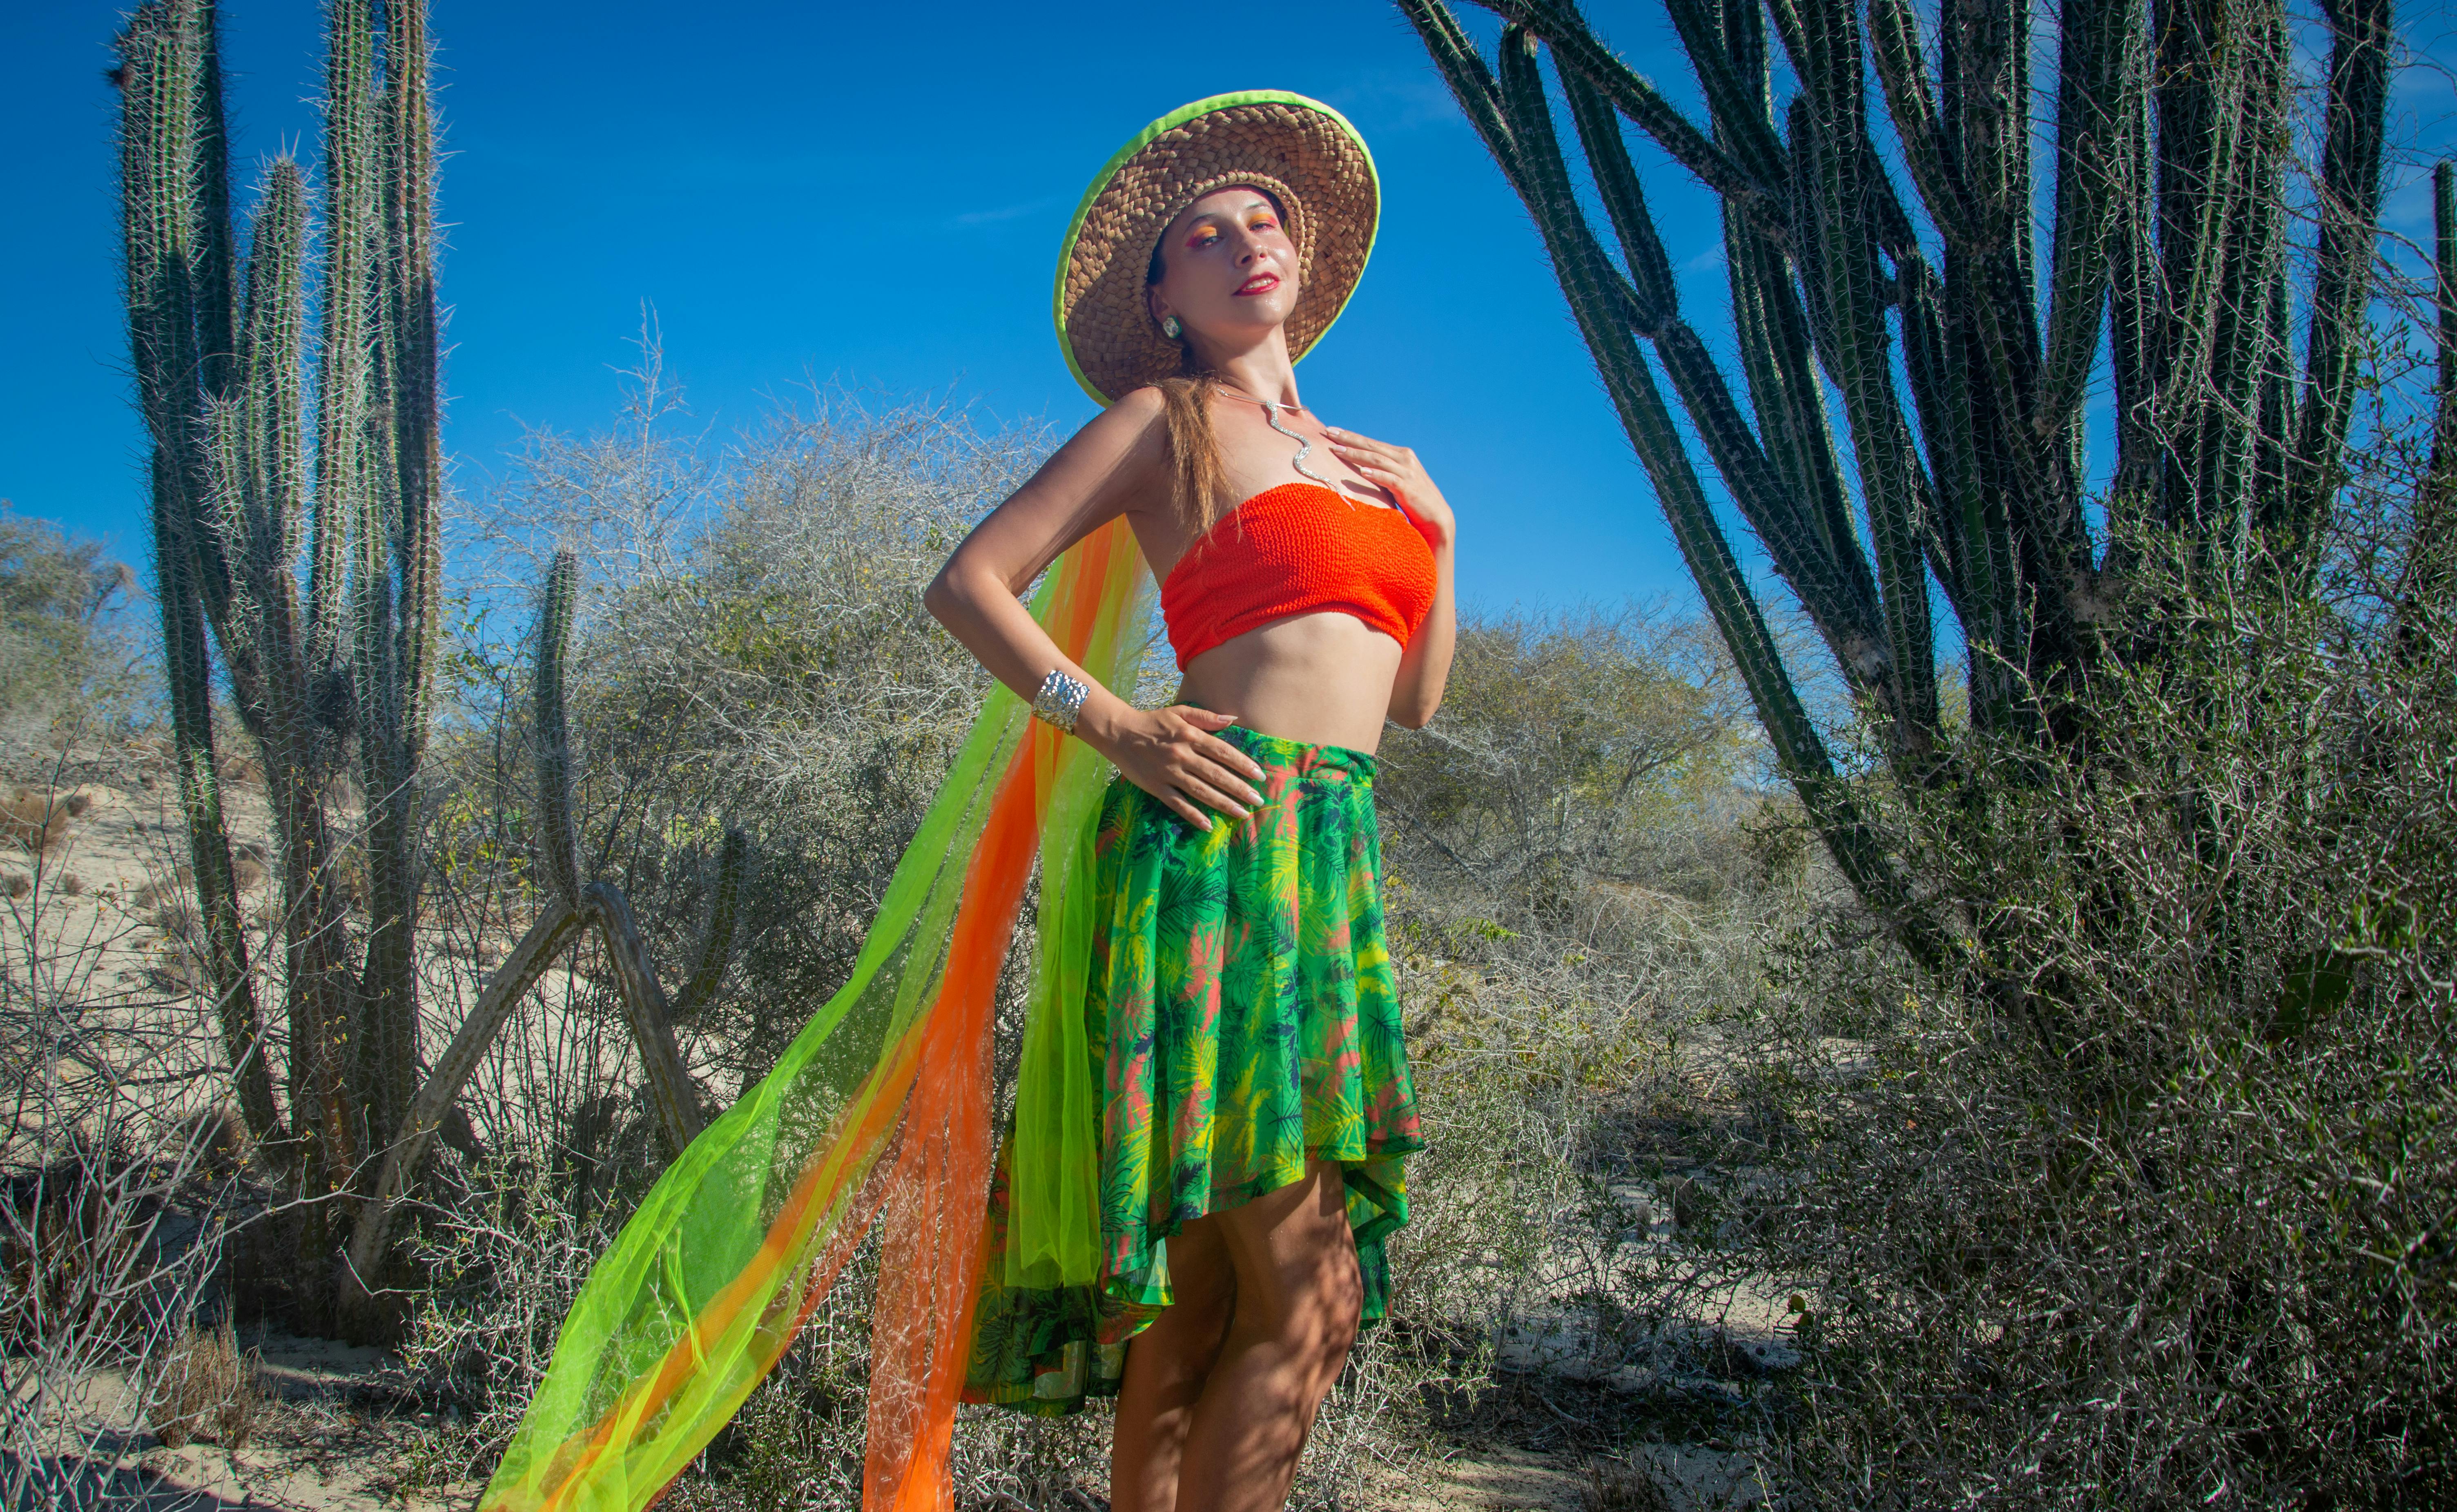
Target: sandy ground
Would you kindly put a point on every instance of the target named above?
(318, 1448)
(1692, 1478)
(316, 1445)
(97, 915)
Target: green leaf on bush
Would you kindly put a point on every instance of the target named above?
(2311, 987)
(2316, 983)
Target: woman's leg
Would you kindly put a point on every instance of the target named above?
(1298, 1298)
(1166, 1365)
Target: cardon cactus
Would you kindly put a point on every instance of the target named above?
(343, 659)
(2168, 256)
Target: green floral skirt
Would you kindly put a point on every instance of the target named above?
(1243, 1020)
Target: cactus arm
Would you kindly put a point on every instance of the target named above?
(1860, 362)
(724, 914)
(273, 350)
(263, 480)
(1625, 203)
(1635, 97)
(2089, 106)
(2444, 266)
(2135, 336)
(558, 826)
(189, 667)
(411, 323)
(216, 343)
(2444, 261)
(1773, 331)
(1841, 602)
(2424, 578)
(342, 368)
(2273, 443)
(1471, 83)
(1902, 71)
(2350, 170)
(2248, 211)
(2203, 122)
(1735, 100)
(1807, 248)
(1987, 599)
(1788, 28)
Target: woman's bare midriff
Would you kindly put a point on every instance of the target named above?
(1322, 678)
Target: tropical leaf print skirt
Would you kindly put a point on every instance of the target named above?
(1243, 1020)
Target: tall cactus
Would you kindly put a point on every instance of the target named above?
(222, 377)
(2170, 132)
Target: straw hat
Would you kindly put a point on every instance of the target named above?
(1301, 150)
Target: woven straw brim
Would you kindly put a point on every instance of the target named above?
(1301, 150)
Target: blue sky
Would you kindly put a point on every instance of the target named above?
(873, 195)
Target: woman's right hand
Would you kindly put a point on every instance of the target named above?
(1173, 754)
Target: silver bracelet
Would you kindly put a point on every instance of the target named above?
(1061, 699)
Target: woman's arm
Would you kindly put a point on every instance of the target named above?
(1425, 666)
(1170, 753)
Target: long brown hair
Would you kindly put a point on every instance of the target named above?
(1202, 479)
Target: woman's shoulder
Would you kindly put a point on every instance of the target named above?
(1140, 406)
(1116, 454)
(1132, 429)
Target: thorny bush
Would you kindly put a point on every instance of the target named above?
(2150, 1204)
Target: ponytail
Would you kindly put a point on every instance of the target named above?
(1201, 478)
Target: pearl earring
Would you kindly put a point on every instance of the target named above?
(1169, 327)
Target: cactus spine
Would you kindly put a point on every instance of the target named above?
(2170, 132)
(221, 378)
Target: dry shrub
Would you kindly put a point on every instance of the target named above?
(2147, 1205)
(71, 886)
(205, 1389)
(157, 891)
(34, 821)
(16, 885)
(74, 1236)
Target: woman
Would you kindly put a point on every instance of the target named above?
(1207, 952)
(1256, 1098)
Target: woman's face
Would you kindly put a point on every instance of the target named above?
(1228, 268)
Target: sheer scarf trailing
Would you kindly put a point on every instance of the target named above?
(878, 1112)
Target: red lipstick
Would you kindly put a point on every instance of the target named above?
(1259, 284)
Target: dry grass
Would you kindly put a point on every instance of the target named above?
(36, 822)
(205, 1389)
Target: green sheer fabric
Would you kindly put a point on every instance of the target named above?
(877, 1111)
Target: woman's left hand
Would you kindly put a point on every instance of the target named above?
(1397, 469)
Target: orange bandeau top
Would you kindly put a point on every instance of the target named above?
(1296, 550)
